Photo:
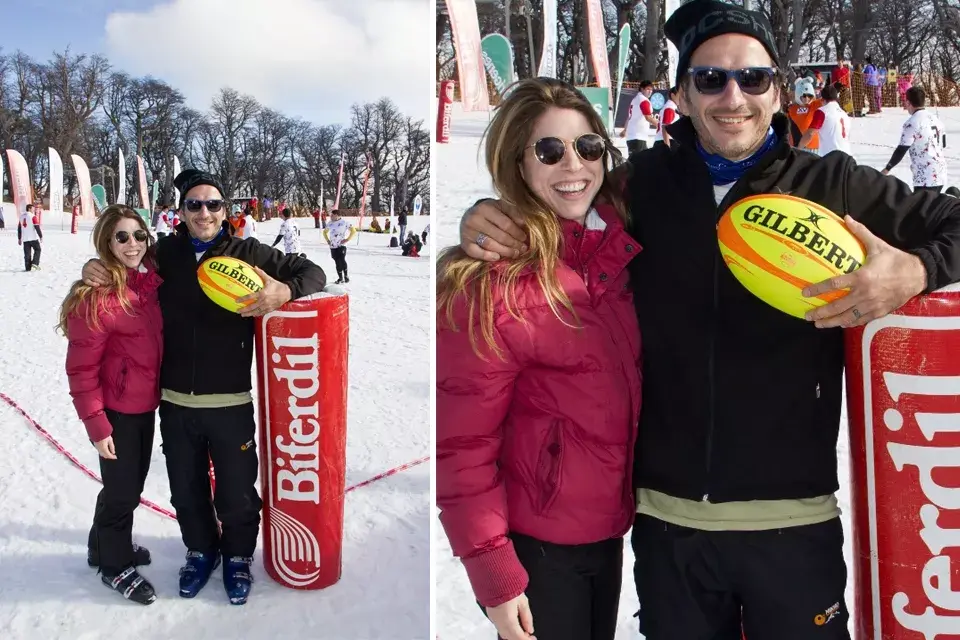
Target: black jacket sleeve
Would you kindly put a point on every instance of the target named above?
(923, 223)
(303, 276)
(897, 156)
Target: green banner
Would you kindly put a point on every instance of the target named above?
(498, 61)
(99, 197)
(599, 98)
(624, 57)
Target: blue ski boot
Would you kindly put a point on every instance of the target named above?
(195, 573)
(237, 579)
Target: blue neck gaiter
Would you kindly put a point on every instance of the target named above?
(201, 247)
(725, 171)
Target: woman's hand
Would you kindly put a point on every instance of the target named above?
(105, 448)
(513, 619)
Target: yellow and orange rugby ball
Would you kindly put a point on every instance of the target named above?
(776, 245)
(225, 279)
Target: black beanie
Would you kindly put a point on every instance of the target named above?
(694, 23)
(190, 178)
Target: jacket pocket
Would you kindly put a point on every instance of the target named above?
(548, 467)
(121, 384)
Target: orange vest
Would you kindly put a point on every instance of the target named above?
(802, 116)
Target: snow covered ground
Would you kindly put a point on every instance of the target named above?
(461, 179)
(46, 504)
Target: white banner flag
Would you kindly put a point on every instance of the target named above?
(548, 57)
(20, 186)
(56, 182)
(673, 57)
(176, 192)
(466, 42)
(142, 176)
(418, 205)
(86, 191)
(122, 175)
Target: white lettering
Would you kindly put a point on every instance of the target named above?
(936, 584)
(936, 538)
(296, 481)
(928, 623)
(926, 459)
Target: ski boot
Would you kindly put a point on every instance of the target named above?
(195, 573)
(141, 556)
(346, 279)
(237, 579)
(131, 585)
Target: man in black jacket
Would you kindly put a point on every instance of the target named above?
(207, 411)
(736, 461)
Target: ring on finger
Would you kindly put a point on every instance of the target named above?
(481, 238)
(856, 314)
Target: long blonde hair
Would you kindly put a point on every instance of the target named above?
(506, 140)
(79, 292)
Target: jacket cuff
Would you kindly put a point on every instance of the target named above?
(930, 264)
(98, 427)
(496, 576)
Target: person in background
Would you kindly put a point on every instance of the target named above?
(801, 113)
(412, 245)
(830, 124)
(669, 114)
(115, 335)
(247, 227)
(871, 77)
(922, 136)
(164, 223)
(402, 222)
(289, 233)
(426, 231)
(641, 120)
(338, 233)
(30, 237)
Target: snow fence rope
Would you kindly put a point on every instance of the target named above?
(153, 506)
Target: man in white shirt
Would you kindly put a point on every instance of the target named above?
(923, 136)
(641, 120)
(831, 122)
(163, 222)
(248, 227)
(338, 233)
(29, 236)
(669, 114)
(289, 233)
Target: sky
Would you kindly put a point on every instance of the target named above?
(306, 58)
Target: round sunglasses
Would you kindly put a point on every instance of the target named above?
(550, 150)
(711, 81)
(123, 237)
(194, 205)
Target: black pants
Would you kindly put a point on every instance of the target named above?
(934, 189)
(574, 590)
(782, 584)
(31, 254)
(339, 255)
(122, 485)
(635, 145)
(191, 438)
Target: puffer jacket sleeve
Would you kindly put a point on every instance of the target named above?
(85, 352)
(473, 396)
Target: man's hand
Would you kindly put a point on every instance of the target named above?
(513, 619)
(94, 274)
(498, 227)
(274, 295)
(886, 281)
(885, 172)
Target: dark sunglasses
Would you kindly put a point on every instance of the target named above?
(123, 237)
(550, 150)
(195, 205)
(711, 81)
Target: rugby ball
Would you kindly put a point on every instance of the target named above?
(776, 245)
(225, 279)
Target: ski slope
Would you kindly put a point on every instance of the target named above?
(46, 504)
(461, 179)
